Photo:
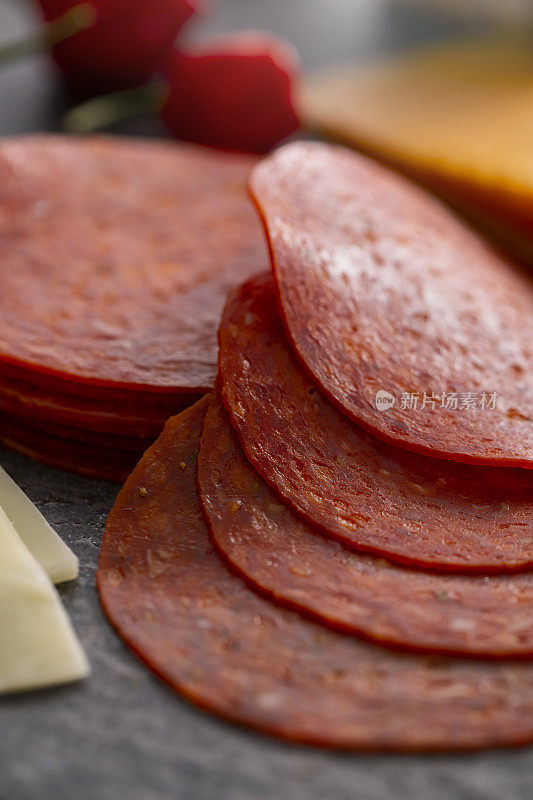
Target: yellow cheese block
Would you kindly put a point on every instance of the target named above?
(38, 645)
(457, 117)
(56, 558)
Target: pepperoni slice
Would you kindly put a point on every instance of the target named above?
(423, 512)
(106, 441)
(230, 651)
(117, 255)
(99, 459)
(386, 295)
(286, 559)
(128, 415)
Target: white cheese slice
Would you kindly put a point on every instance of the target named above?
(56, 558)
(38, 645)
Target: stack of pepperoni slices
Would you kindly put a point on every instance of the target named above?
(117, 255)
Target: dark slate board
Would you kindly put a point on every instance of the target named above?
(122, 734)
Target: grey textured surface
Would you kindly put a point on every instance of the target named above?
(121, 733)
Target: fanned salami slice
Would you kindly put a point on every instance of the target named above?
(283, 557)
(228, 650)
(117, 255)
(391, 302)
(424, 512)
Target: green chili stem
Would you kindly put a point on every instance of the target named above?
(109, 108)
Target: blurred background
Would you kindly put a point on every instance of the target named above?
(323, 31)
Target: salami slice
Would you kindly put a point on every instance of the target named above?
(111, 441)
(405, 318)
(90, 459)
(228, 650)
(117, 255)
(128, 415)
(287, 560)
(424, 512)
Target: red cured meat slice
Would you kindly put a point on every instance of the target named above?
(228, 650)
(121, 415)
(117, 255)
(82, 457)
(140, 397)
(420, 511)
(382, 289)
(104, 441)
(282, 556)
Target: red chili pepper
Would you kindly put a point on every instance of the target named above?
(127, 43)
(234, 92)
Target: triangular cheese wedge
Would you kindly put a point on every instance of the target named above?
(38, 645)
(56, 558)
